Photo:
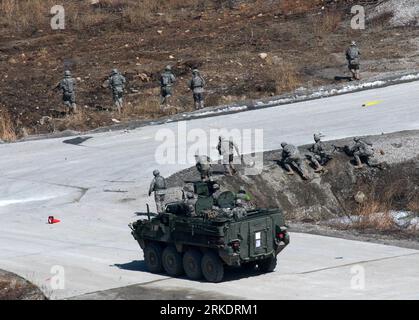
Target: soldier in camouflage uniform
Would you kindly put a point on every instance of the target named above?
(196, 84)
(167, 79)
(190, 201)
(226, 149)
(246, 198)
(352, 55)
(239, 211)
(361, 150)
(320, 155)
(203, 165)
(117, 84)
(158, 186)
(68, 87)
(291, 157)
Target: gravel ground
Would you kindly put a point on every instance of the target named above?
(13, 287)
(405, 12)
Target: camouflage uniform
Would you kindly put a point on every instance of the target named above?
(362, 150)
(320, 155)
(203, 165)
(216, 192)
(68, 87)
(245, 198)
(291, 156)
(158, 186)
(197, 86)
(226, 149)
(167, 79)
(239, 211)
(117, 84)
(190, 201)
(352, 55)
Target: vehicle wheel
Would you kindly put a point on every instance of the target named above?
(153, 257)
(192, 264)
(172, 262)
(212, 267)
(267, 265)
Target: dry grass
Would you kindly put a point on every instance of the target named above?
(413, 204)
(374, 215)
(375, 212)
(326, 23)
(283, 76)
(32, 15)
(7, 126)
(289, 7)
(25, 15)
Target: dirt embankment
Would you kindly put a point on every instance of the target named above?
(370, 200)
(13, 287)
(255, 49)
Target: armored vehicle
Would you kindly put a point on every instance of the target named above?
(201, 241)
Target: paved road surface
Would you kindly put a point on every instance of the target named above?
(95, 188)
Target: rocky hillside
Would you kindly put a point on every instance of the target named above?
(253, 49)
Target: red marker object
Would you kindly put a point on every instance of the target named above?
(52, 220)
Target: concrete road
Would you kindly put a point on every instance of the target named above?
(96, 187)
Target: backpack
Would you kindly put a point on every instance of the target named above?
(160, 183)
(68, 85)
(353, 55)
(165, 79)
(197, 82)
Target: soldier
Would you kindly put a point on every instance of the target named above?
(361, 150)
(246, 199)
(68, 87)
(352, 55)
(239, 211)
(158, 186)
(196, 84)
(117, 84)
(243, 195)
(203, 165)
(190, 201)
(320, 155)
(291, 156)
(216, 192)
(167, 79)
(226, 149)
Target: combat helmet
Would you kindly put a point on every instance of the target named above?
(156, 173)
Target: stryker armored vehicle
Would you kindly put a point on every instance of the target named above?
(214, 233)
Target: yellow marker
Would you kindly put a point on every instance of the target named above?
(372, 103)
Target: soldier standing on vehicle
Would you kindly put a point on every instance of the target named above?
(197, 84)
(68, 87)
(158, 186)
(362, 150)
(353, 55)
(226, 149)
(320, 155)
(291, 157)
(117, 84)
(167, 79)
(203, 165)
(190, 201)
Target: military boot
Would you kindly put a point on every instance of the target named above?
(358, 163)
(290, 172)
(319, 167)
